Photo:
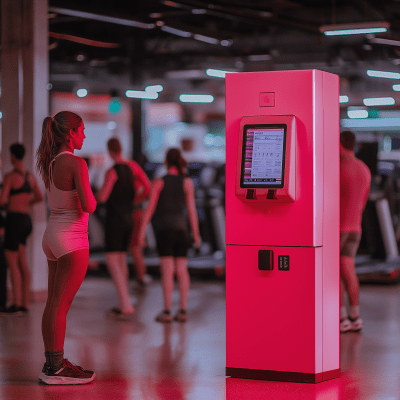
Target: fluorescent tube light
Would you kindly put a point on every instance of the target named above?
(355, 28)
(196, 98)
(389, 42)
(379, 101)
(396, 88)
(383, 74)
(154, 88)
(343, 99)
(102, 18)
(175, 31)
(217, 73)
(206, 39)
(140, 94)
(357, 113)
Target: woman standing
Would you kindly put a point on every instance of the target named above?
(170, 198)
(20, 191)
(65, 241)
(118, 192)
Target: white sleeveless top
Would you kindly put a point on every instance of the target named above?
(65, 205)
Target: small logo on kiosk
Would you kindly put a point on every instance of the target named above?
(283, 263)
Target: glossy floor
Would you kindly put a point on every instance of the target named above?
(142, 359)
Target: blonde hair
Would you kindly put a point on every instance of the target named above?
(54, 134)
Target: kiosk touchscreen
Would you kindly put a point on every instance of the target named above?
(263, 157)
(266, 159)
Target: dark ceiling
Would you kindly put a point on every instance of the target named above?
(116, 44)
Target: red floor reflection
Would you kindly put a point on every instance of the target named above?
(141, 359)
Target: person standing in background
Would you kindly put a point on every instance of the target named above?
(20, 192)
(118, 193)
(171, 197)
(355, 182)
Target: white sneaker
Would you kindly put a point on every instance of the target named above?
(345, 325)
(356, 324)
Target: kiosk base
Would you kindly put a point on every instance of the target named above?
(282, 376)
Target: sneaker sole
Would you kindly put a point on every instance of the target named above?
(64, 380)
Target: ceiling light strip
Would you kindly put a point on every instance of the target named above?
(103, 18)
(355, 28)
(196, 98)
(379, 101)
(383, 74)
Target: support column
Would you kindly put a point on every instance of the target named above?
(24, 105)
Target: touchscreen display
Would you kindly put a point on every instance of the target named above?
(263, 158)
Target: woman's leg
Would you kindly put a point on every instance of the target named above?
(136, 250)
(15, 274)
(167, 274)
(183, 279)
(118, 269)
(25, 276)
(65, 278)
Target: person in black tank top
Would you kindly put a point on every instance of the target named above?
(118, 193)
(171, 200)
(20, 191)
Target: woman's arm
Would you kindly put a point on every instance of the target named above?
(141, 182)
(155, 191)
(192, 212)
(109, 181)
(81, 180)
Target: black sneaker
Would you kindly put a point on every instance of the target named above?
(68, 374)
(164, 316)
(12, 310)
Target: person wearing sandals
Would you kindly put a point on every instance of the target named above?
(171, 197)
(65, 241)
(20, 192)
(355, 181)
(118, 192)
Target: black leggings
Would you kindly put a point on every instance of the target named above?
(18, 227)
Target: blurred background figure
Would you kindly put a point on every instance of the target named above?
(118, 192)
(171, 197)
(355, 182)
(20, 191)
(142, 191)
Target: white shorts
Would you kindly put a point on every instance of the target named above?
(63, 237)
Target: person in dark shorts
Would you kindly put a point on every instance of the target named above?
(355, 181)
(20, 191)
(171, 197)
(118, 193)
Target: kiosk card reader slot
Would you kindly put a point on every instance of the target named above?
(266, 165)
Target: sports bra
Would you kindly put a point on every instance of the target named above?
(63, 202)
(25, 188)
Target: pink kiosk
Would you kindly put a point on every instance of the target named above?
(282, 226)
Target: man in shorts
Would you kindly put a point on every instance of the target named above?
(355, 181)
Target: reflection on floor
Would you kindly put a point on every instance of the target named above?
(141, 359)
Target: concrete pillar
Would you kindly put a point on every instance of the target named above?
(24, 76)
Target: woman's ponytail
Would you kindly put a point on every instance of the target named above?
(175, 159)
(55, 133)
